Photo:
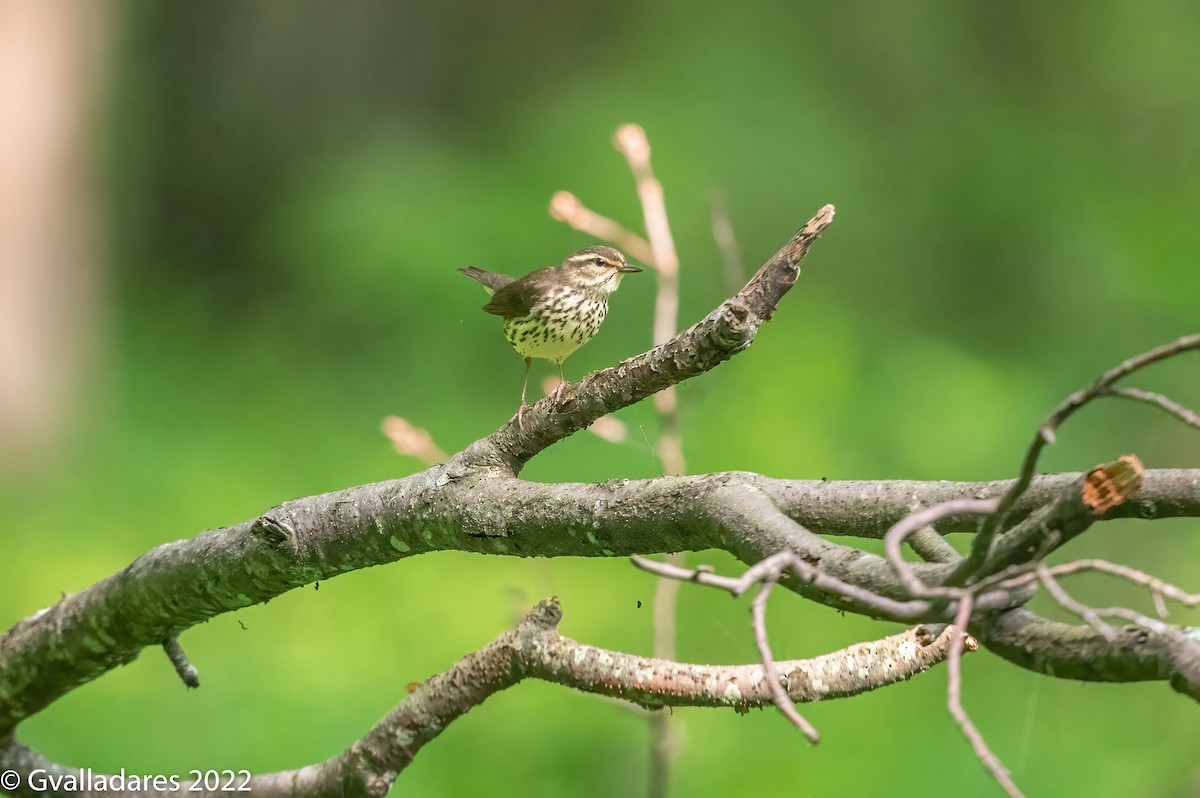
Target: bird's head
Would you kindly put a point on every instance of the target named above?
(598, 268)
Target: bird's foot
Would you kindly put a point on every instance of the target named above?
(521, 415)
(557, 393)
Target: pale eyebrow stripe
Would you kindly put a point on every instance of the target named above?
(592, 257)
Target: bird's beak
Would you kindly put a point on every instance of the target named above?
(626, 267)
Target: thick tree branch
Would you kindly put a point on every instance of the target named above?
(180, 584)
(536, 650)
(867, 509)
(1082, 652)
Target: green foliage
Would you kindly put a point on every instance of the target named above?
(291, 196)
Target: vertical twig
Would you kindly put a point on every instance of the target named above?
(631, 141)
(731, 258)
(960, 641)
(758, 611)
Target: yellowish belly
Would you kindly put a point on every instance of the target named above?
(551, 339)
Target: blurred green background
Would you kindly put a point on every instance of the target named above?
(283, 191)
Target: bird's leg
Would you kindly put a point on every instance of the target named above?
(524, 386)
(562, 383)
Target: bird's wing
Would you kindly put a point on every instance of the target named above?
(517, 298)
(491, 281)
(510, 301)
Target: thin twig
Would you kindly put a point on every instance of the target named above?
(772, 568)
(1157, 587)
(566, 207)
(960, 641)
(183, 666)
(413, 441)
(1052, 586)
(723, 235)
(758, 611)
(893, 540)
(1038, 571)
(1095, 615)
(1184, 414)
(1047, 430)
(632, 142)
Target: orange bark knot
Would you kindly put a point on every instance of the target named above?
(1113, 483)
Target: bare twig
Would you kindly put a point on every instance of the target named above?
(1158, 588)
(723, 235)
(567, 208)
(663, 746)
(1055, 523)
(1095, 615)
(954, 699)
(413, 441)
(1046, 435)
(773, 567)
(758, 611)
(895, 537)
(1160, 591)
(1184, 414)
(632, 142)
(1064, 599)
(183, 666)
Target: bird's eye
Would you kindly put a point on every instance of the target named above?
(598, 261)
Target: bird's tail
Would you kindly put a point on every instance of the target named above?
(491, 281)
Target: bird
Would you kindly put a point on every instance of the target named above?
(551, 312)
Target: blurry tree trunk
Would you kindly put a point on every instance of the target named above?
(49, 268)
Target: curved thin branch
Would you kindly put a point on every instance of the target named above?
(1164, 403)
(779, 694)
(1159, 589)
(1046, 431)
(566, 207)
(901, 530)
